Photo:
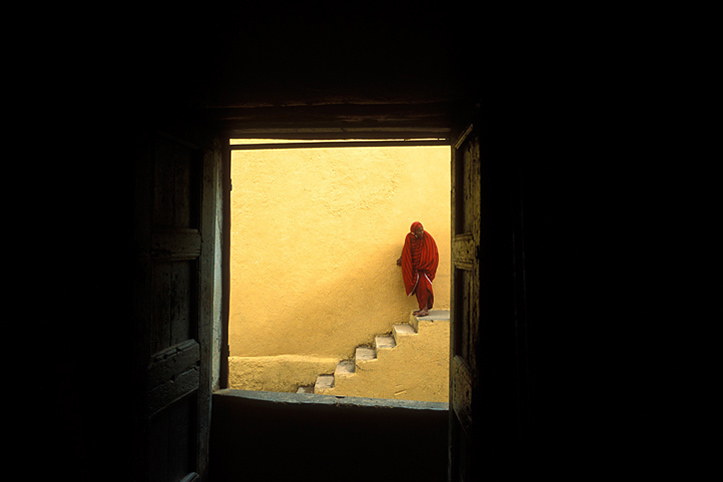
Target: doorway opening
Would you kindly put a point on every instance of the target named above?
(317, 301)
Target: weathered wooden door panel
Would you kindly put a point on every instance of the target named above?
(488, 388)
(465, 301)
(173, 440)
(174, 238)
(176, 194)
(173, 374)
(174, 318)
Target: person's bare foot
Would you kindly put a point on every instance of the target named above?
(422, 313)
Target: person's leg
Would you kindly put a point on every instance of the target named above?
(423, 294)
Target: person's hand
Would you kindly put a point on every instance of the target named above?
(399, 261)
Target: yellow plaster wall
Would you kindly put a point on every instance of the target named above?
(315, 238)
(417, 368)
(281, 373)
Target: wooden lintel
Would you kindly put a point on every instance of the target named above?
(308, 132)
(313, 145)
(337, 121)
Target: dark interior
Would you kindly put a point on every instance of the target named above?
(580, 362)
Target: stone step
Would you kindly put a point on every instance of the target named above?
(434, 315)
(345, 368)
(323, 382)
(385, 341)
(402, 330)
(364, 354)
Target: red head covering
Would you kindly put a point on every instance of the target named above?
(415, 226)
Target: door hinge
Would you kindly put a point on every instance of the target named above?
(228, 351)
(230, 184)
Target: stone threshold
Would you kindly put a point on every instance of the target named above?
(317, 399)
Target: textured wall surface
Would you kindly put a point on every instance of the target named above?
(417, 368)
(280, 373)
(315, 238)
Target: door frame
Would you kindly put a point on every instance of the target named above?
(505, 199)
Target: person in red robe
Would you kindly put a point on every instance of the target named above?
(419, 262)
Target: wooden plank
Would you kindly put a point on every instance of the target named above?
(334, 132)
(176, 245)
(463, 136)
(465, 251)
(173, 317)
(182, 432)
(157, 458)
(433, 113)
(462, 392)
(225, 266)
(172, 429)
(172, 390)
(175, 192)
(172, 361)
(330, 144)
(466, 223)
(208, 277)
(172, 374)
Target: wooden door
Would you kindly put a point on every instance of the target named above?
(489, 396)
(174, 236)
(465, 302)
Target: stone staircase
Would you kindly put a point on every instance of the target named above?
(409, 363)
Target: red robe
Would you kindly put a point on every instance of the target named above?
(420, 259)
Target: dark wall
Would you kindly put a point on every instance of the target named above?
(264, 436)
(622, 260)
